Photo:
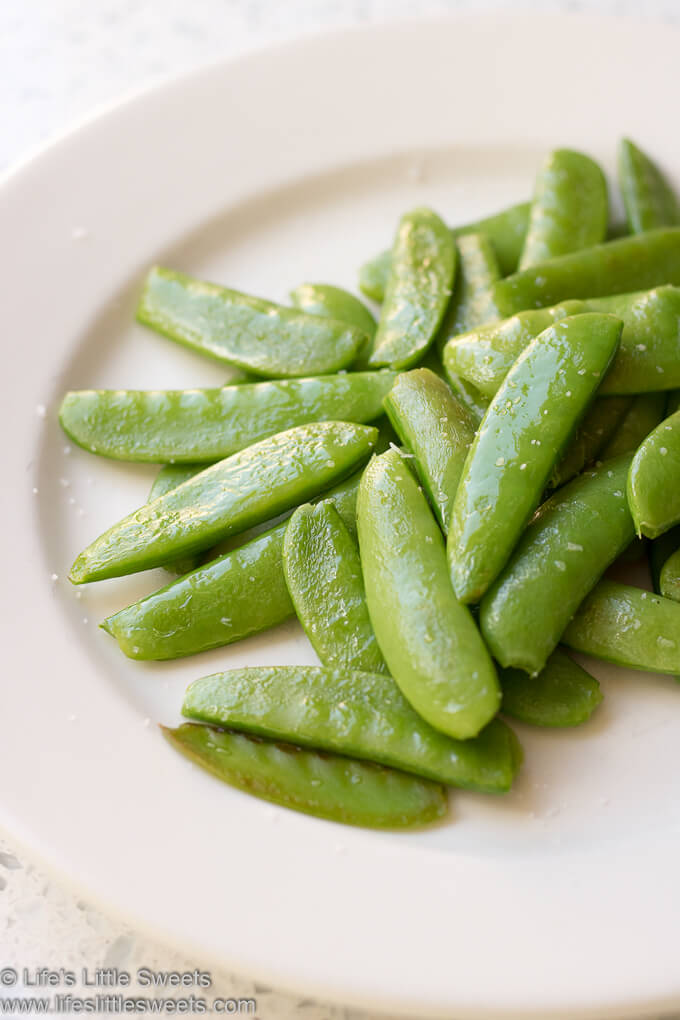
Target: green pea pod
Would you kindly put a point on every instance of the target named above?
(437, 429)
(629, 627)
(505, 230)
(659, 551)
(323, 574)
(654, 480)
(669, 578)
(188, 426)
(643, 415)
(247, 332)
(418, 290)
(569, 210)
(473, 401)
(648, 198)
(560, 557)
(335, 303)
(430, 642)
(362, 715)
(563, 693)
(251, 486)
(242, 592)
(325, 785)
(167, 479)
(615, 267)
(599, 424)
(470, 305)
(525, 431)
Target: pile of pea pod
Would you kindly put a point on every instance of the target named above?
(436, 495)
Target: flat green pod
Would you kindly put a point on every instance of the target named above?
(563, 693)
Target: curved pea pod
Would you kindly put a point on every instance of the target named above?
(167, 479)
(505, 230)
(476, 272)
(247, 332)
(473, 401)
(599, 424)
(362, 715)
(669, 578)
(659, 551)
(430, 642)
(615, 267)
(654, 480)
(563, 693)
(242, 592)
(335, 303)
(561, 556)
(570, 209)
(649, 200)
(323, 574)
(524, 432)
(437, 429)
(325, 785)
(418, 290)
(643, 415)
(629, 627)
(251, 486)
(189, 426)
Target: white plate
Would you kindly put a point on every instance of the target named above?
(561, 899)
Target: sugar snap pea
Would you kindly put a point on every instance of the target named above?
(648, 198)
(669, 578)
(563, 693)
(475, 403)
(615, 267)
(257, 336)
(643, 415)
(569, 210)
(418, 290)
(323, 573)
(476, 272)
(506, 230)
(250, 486)
(658, 552)
(320, 784)
(599, 424)
(189, 426)
(560, 557)
(430, 642)
(525, 430)
(168, 478)
(654, 480)
(629, 627)
(437, 429)
(336, 303)
(363, 715)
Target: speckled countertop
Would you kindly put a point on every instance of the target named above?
(59, 61)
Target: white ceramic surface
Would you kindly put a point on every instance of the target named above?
(559, 900)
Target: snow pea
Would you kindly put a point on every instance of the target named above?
(629, 627)
(659, 551)
(599, 424)
(418, 290)
(430, 642)
(168, 478)
(188, 426)
(506, 231)
(669, 578)
(323, 574)
(251, 486)
(335, 303)
(563, 693)
(437, 429)
(562, 554)
(477, 270)
(321, 784)
(569, 210)
(360, 714)
(643, 415)
(526, 429)
(648, 198)
(241, 592)
(246, 332)
(615, 267)
(654, 480)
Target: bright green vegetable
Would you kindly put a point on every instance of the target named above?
(560, 557)
(251, 486)
(363, 715)
(669, 578)
(437, 429)
(168, 478)
(643, 415)
(569, 210)
(323, 574)
(563, 693)
(649, 200)
(659, 551)
(654, 480)
(189, 426)
(469, 396)
(430, 642)
(336, 303)
(525, 430)
(247, 332)
(470, 305)
(320, 784)
(600, 423)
